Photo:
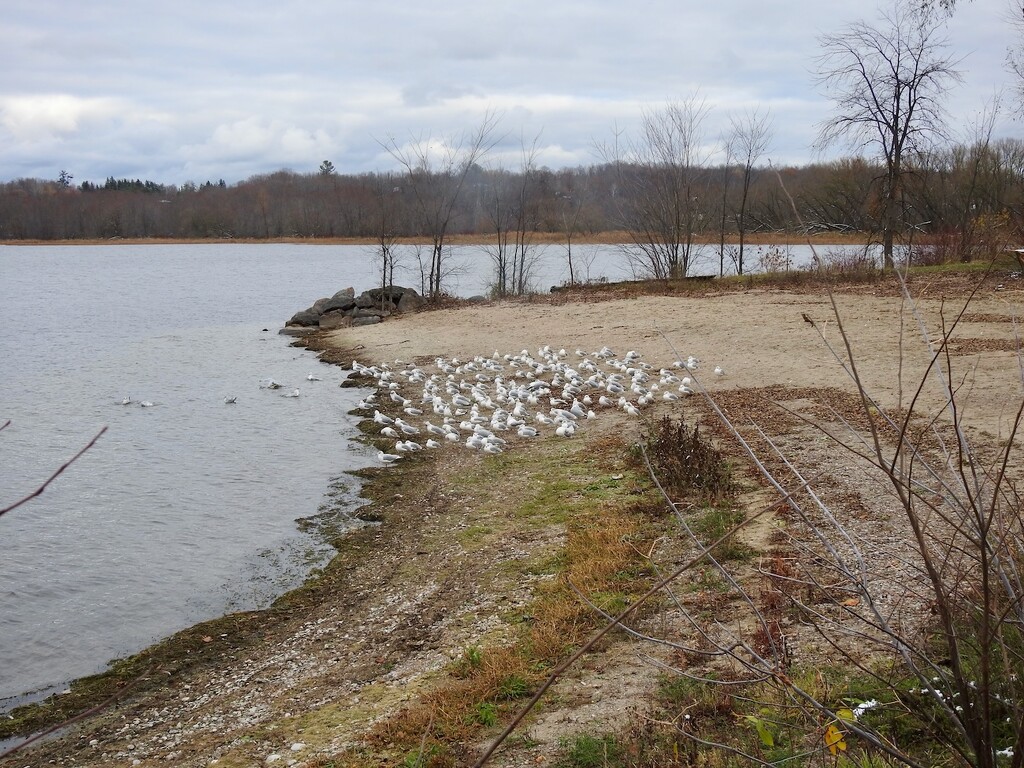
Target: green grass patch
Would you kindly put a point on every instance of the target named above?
(587, 751)
(474, 536)
(712, 523)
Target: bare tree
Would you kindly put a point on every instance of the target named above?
(723, 214)
(1015, 57)
(435, 173)
(750, 138)
(572, 205)
(887, 83)
(387, 192)
(512, 208)
(663, 176)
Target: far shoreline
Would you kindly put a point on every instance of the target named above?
(537, 238)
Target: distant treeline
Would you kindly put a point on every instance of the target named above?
(130, 185)
(951, 191)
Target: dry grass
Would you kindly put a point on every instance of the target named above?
(484, 686)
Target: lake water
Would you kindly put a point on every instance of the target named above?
(186, 509)
(183, 510)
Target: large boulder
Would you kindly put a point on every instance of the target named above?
(370, 312)
(319, 304)
(393, 297)
(306, 318)
(344, 308)
(366, 300)
(329, 321)
(339, 304)
(369, 320)
(409, 301)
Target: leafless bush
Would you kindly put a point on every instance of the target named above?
(687, 464)
(932, 250)
(774, 258)
(842, 261)
(921, 654)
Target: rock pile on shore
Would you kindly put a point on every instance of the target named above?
(344, 309)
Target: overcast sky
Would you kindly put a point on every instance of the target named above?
(196, 90)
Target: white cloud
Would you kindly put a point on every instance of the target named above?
(52, 116)
(255, 137)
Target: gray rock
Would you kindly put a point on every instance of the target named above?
(410, 301)
(370, 320)
(338, 303)
(305, 318)
(371, 312)
(369, 307)
(365, 300)
(332, 320)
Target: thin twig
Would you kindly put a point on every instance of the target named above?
(54, 476)
(80, 716)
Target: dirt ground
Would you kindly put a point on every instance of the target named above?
(408, 598)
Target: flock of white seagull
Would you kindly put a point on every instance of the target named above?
(476, 401)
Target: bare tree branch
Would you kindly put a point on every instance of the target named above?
(54, 476)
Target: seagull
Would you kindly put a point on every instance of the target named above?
(293, 393)
(270, 384)
(127, 400)
(387, 458)
(311, 377)
(146, 404)
(230, 399)
(408, 429)
(718, 370)
(390, 432)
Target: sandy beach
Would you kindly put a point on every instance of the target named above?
(310, 679)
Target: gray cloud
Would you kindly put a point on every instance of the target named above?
(197, 90)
